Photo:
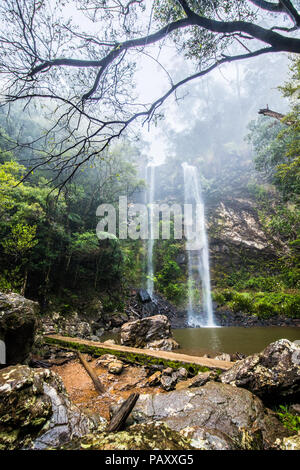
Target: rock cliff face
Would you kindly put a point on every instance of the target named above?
(236, 234)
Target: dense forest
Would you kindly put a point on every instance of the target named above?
(51, 253)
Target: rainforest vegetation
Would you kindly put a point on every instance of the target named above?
(60, 158)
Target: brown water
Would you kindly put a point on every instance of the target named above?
(199, 341)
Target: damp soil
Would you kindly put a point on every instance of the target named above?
(81, 390)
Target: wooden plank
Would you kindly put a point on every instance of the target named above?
(142, 356)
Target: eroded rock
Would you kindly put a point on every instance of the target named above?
(150, 332)
(273, 374)
(235, 412)
(150, 436)
(35, 411)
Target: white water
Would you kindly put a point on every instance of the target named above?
(150, 177)
(197, 252)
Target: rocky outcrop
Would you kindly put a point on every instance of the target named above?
(150, 436)
(18, 322)
(35, 411)
(289, 443)
(273, 375)
(151, 332)
(240, 416)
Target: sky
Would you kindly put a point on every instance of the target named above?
(152, 81)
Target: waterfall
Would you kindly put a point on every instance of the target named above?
(150, 177)
(197, 251)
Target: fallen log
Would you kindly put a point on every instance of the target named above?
(97, 384)
(119, 419)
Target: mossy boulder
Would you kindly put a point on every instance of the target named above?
(273, 375)
(35, 411)
(18, 322)
(150, 436)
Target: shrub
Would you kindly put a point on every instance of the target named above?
(290, 421)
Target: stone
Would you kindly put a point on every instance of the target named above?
(295, 409)
(150, 436)
(144, 296)
(35, 410)
(111, 342)
(208, 439)
(168, 371)
(182, 373)
(273, 375)
(165, 344)
(18, 323)
(223, 357)
(168, 382)
(154, 379)
(106, 359)
(200, 379)
(115, 367)
(140, 333)
(235, 412)
(289, 443)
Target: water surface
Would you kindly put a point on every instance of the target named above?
(199, 341)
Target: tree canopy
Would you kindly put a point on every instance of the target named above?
(76, 61)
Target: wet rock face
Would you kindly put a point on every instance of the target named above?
(236, 413)
(148, 332)
(273, 375)
(18, 322)
(150, 436)
(35, 411)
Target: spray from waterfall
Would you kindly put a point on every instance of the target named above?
(150, 177)
(197, 251)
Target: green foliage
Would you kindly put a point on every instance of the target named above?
(277, 144)
(289, 420)
(261, 304)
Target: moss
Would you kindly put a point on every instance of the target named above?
(134, 358)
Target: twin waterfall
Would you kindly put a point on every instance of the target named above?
(196, 247)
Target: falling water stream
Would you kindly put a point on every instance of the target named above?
(197, 251)
(150, 177)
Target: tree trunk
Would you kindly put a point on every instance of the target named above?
(24, 282)
(97, 384)
(118, 421)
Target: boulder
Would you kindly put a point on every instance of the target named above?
(35, 411)
(273, 375)
(140, 333)
(168, 382)
(238, 414)
(150, 436)
(165, 344)
(200, 379)
(223, 357)
(144, 296)
(115, 367)
(18, 322)
(289, 443)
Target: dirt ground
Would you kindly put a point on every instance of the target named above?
(81, 390)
